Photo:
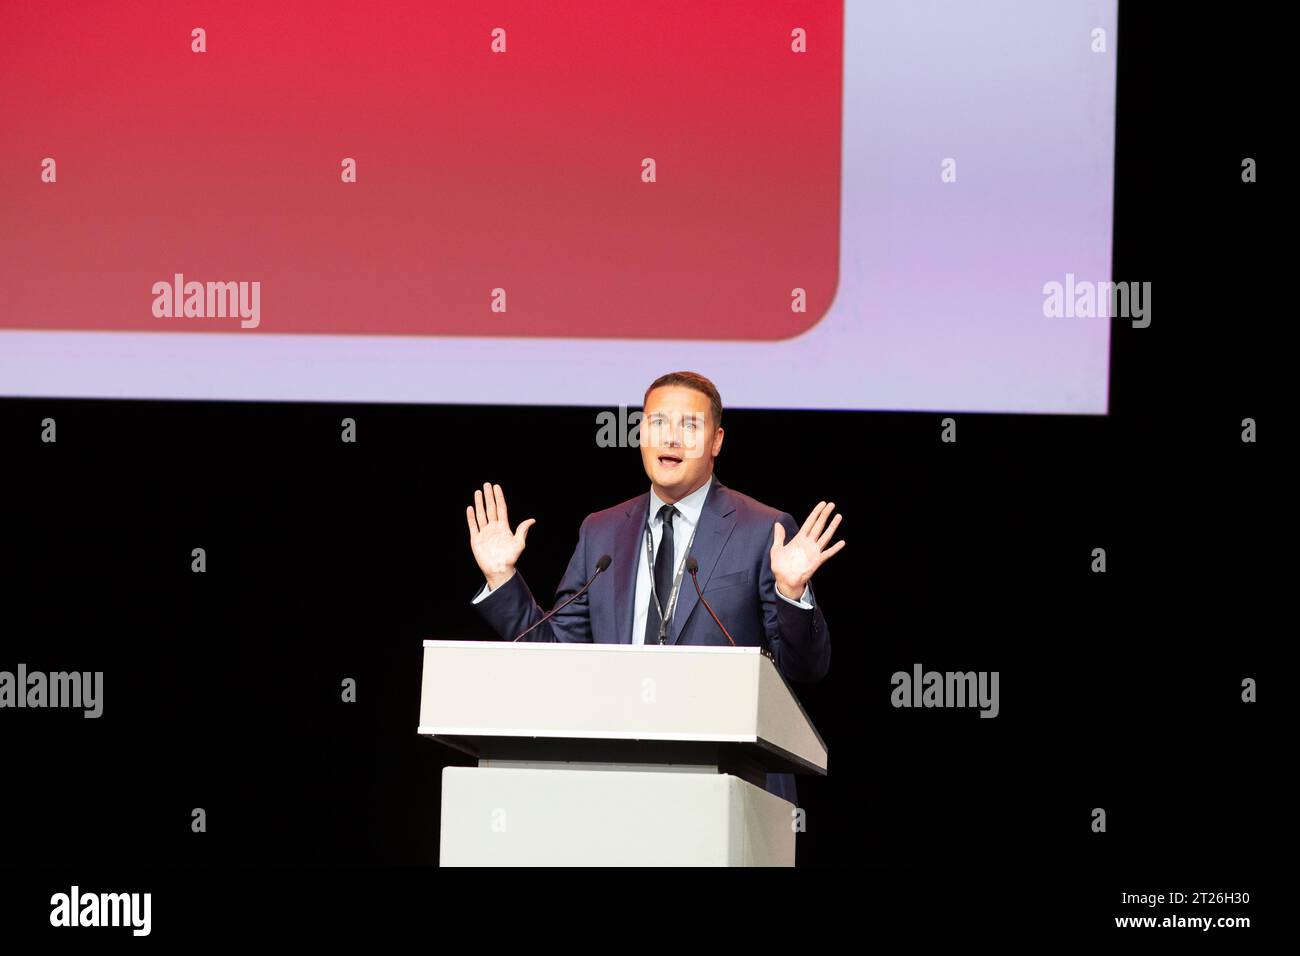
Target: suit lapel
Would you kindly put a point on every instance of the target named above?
(716, 524)
(627, 552)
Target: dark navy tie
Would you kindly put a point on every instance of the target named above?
(663, 575)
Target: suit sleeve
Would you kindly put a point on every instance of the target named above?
(798, 638)
(511, 609)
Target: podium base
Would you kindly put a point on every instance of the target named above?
(498, 816)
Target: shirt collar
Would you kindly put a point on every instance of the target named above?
(689, 507)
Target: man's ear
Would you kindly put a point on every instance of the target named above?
(717, 442)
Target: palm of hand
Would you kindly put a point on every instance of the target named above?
(794, 561)
(496, 547)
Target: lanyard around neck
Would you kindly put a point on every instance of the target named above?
(677, 580)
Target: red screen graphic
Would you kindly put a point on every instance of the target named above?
(476, 170)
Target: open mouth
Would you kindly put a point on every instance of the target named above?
(669, 461)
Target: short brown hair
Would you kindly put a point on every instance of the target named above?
(695, 381)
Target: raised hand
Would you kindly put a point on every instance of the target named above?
(496, 548)
(795, 561)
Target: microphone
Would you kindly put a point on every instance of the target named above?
(601, 565)
(693, 566)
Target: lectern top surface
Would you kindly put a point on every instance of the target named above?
(555, 645)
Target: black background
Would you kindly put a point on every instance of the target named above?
(329, 560)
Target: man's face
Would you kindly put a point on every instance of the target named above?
(678, 440)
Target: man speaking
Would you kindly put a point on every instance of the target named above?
(754, 564)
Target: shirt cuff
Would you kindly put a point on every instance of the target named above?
(488, 589)
(805, 601)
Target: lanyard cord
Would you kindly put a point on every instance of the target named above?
(677, 581)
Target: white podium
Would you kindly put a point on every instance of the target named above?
(614, 754)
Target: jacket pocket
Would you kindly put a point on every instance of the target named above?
(718, 582)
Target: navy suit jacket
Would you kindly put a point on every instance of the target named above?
(732, 545)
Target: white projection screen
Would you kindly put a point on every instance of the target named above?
(923, 175)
